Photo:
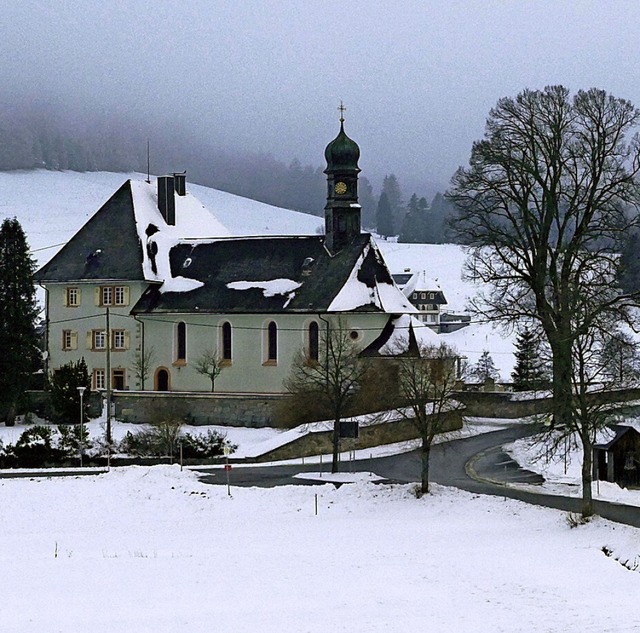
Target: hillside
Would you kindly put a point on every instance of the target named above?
(52, 206)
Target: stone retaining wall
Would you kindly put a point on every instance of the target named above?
(373, 435)
(196, 408)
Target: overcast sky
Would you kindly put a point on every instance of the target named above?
(417, 77)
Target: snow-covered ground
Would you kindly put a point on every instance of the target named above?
(562, 470)
(153, 550)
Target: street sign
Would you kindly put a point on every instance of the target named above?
(349, 429)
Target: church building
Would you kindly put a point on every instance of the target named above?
(152, 283)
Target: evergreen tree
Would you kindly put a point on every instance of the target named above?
(384, 218)
(530, 372)
(367, 202)
(414, 225)
(65, 398)
(485, 368)
(391, 187)
(19, 355)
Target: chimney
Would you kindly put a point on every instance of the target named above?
(181, 183)
(166, 199)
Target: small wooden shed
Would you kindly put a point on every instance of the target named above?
(618, 460)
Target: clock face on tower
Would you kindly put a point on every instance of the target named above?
(340, 188)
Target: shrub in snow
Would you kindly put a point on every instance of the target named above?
(160, 441)
(210, 445)
(36, 447)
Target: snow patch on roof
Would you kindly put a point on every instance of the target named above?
(269, 288)
(193, 220)
(420, 282)
(180, 284)
(355, 293)
(399, 340)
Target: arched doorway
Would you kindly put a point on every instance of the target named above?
(162, 379)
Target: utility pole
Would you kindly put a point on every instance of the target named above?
(108, 378)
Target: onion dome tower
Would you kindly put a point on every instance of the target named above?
(342, 211)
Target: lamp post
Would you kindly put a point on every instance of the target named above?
(81, 391)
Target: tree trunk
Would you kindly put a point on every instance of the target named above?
(336, 444)
(587, 477)
(562, 382)
(10, 417)
(424, 470)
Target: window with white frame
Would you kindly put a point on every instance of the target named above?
(72, 297)
(99, 379)
(98, 339)
(69, 340)
(107, 296)
(113, 296)
(118, 339)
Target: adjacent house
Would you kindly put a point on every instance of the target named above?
(153, 281)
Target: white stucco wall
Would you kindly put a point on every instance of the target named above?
(249, 371)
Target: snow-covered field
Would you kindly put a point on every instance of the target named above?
(153, 550)
(52, 206)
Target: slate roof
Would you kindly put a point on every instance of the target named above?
(110, 245)
(106, 247)
(302, 260)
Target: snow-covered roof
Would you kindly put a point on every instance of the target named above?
(116, 242)
(272, 274)
(421, 282)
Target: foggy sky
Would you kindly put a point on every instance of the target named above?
(417, 77)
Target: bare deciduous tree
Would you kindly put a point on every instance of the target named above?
(543, 205)
(210, 364)
(426, 383)
(142, 362)
(332, 379)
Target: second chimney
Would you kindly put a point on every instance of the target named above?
(166, 199)
(181, 183)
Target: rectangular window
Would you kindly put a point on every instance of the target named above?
(431, 296)
(113, 296)
(423, 295)
(99, 379)
(72, 297)
(98, 339)
(69, 340)
(118, 292)
(107, 295)
(118, 339)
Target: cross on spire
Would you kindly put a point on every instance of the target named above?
(342, 111)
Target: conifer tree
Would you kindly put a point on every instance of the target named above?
(485, 368)
(529, 373)
(18, 312)
(384, 218)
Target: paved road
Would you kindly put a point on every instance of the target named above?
(476, 464)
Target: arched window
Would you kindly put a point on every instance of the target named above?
(226, 341)
(272, 342)
(313, 341)
(181, 342)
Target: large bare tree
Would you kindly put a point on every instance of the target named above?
(543, 204)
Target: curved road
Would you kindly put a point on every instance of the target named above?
(475, 464)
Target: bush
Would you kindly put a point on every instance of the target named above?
(36, 448)
(210, 445)
(161, 440)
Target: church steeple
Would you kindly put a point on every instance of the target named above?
(342, 211)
